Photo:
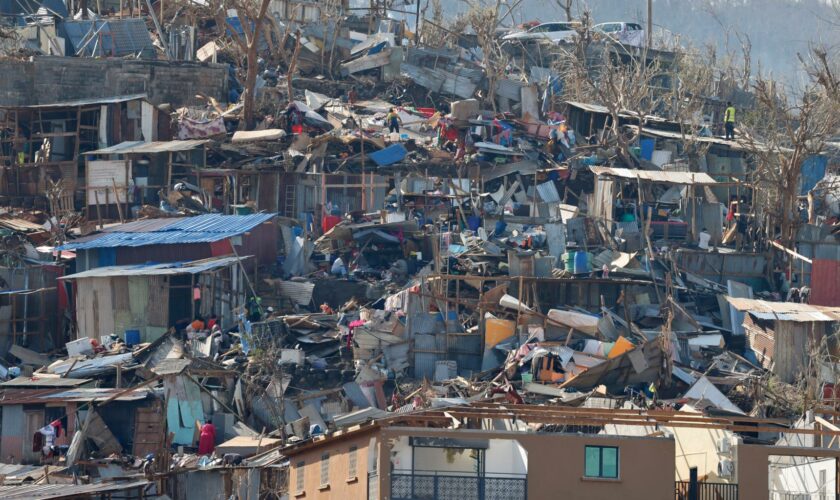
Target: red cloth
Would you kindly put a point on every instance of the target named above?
(207, 440)
(56, 424)
(329, 222)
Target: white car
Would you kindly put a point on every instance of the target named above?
(555, 32)
(626, 33)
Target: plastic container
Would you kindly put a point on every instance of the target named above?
(646, 147)
(132, 337)
(581, 263)
(569, 261)
(242, 210)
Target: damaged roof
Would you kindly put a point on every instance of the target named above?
(687, 178)
(140, 147)
(172, 268)
(200, 229)
(785, 311)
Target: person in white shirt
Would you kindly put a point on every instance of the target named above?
(704, 239)
(338, 268)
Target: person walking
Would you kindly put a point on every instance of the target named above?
(729, 121)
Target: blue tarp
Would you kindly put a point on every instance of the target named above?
(813, 171)
(390, 155)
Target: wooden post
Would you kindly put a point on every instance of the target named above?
(117, 198)
(98, 209)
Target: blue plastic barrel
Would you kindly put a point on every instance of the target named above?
(132, 337)
(647, 146)
(581, 263)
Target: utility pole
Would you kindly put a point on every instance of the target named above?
(417, 25)
(649, 23)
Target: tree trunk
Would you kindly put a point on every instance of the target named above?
(248, 96)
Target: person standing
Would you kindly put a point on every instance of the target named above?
(393, 120)
(729, 121)
(207, 439)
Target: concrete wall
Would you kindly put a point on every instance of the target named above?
(806, 476)
(341, 485)
(753, 465)
(50, 79)
(556, 464)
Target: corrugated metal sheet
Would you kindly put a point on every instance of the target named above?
(785, 311)
(825, 283)
(88, 102)
(548, 192)
(428, 350)
(140, 147)
(220, 223)
(510, 89)
(67, 490)
(686, 178)
(300, 293)
(467, 351)
(140, 226)
(113, 37)
(20, 225)
(201, 229)
(44, 382)
(173, 268)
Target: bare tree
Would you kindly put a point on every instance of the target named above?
(566, 6)
(485, 18)
(784, 130)
(252, 16)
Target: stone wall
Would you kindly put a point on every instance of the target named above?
(48, 79)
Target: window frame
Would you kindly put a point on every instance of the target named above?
(600, 474)
(300, 483)
(325, 470)
(352, 463)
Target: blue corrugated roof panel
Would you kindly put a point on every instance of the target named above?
(172, 268)
(201, 229)
(212, 223)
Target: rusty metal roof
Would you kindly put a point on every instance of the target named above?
(59, 490)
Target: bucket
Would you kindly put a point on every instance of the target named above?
(132, 337)
(242, 210)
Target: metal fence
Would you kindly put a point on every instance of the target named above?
(707, 491)
(439, 486)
